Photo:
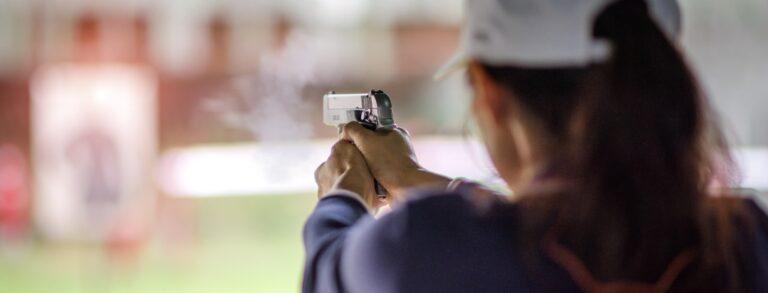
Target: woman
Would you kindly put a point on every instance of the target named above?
(591, 115)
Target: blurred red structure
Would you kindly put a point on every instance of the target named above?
(14, 195)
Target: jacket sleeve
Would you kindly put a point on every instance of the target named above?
(324, 234)
(347, 250)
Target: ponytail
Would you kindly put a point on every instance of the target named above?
(635, 148)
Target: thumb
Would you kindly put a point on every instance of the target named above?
(354, 132)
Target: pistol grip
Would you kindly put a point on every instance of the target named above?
(380, 190)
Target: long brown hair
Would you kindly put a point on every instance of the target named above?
(641, 148)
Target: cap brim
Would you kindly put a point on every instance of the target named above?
(458, 62)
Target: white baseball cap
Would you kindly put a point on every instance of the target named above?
(542, 33)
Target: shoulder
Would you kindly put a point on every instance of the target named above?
(740, 218)
(435, 235)
(752, 239)
(435, 209)
(457, 209)
(757, 205)
(746, 209)
(755, 219)
(740, 214)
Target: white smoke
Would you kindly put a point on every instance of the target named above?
(269, 103)
(271, 106)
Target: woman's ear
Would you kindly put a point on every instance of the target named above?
(489, 96)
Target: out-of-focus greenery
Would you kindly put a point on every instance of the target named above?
(239, 244)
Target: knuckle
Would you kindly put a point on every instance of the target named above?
(348, 127)
(338, 146)
(403, 131)
(318, 170)
(397, 130)
(341, 148)
(352, 128)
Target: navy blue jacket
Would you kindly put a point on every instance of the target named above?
(438, 243)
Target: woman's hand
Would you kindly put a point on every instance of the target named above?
(390, 158)
(345, 169)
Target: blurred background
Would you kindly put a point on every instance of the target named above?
(169, 145)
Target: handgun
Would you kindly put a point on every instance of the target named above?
(373, 110)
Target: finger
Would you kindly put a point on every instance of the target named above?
(318, 170)
(355, 155)
(345, 153)
(403, 131)
(341, 147)
(354, 132)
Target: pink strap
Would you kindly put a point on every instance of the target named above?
(588, 283)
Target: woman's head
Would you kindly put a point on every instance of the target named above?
(641, 99)
(630, 130)
(532, 64)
